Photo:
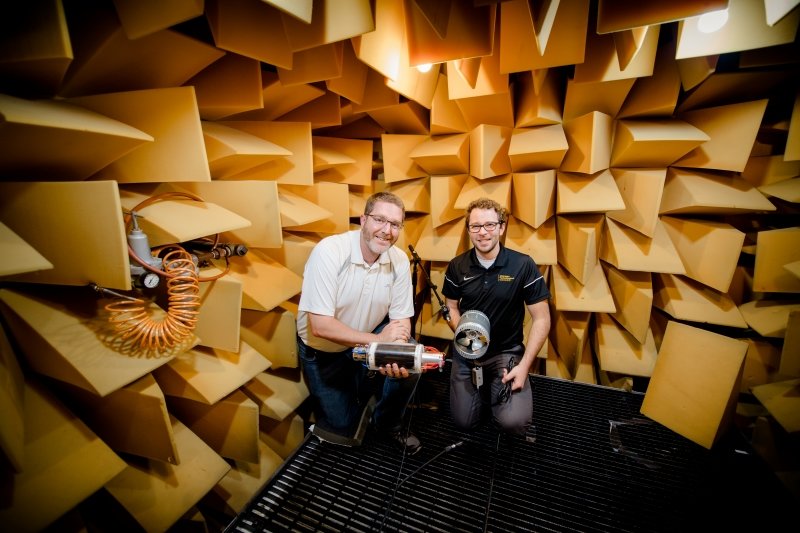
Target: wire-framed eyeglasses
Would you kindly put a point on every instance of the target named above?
(488, 226)
(382, 221)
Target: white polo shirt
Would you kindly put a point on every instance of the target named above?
(338, 282)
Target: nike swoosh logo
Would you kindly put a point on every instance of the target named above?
(469, 278)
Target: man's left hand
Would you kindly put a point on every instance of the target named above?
(394, 371)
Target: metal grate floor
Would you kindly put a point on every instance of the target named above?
(590, 462)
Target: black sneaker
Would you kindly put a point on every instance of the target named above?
(410, 442)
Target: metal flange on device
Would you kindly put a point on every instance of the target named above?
(472, 334)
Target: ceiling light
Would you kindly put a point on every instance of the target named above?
(425, 67)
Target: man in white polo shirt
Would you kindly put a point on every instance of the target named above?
(357, 290)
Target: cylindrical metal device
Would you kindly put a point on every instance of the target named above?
(472, 334)
(413, 357)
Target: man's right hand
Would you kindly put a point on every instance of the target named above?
(395, 331)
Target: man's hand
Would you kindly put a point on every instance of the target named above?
(394, 371)
(395, 331)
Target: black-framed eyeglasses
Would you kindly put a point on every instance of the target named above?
(488, 226)
(382, 221)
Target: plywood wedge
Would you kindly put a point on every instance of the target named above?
(655, 95)
(444, 194)
(632, 293)
(108, 61)
(488, 151)
(540, 243)
(229, 426)
(295, 137)
(309, 66)
(398, 165)
(176, 219)
(379, 47)
(613, 57)
(443, 242)
(745, 29)
(283, 437)
(332, 197)
(443, 154)
(234, 491)
(218, 320)
(157, 495)
(208, 375)
(170, 116)
(569, 336)
(782, 401)
(139, 18)
(265, 282)
(469, 33)
(231, 151)
(330, 21)
(415, 195)
(731, 129)
(589, 139)
(65, 463)
(709, 250)
(497, 188)
(493, 109)
(628, 249)
(774, 250)
(570, 295)
(641, 189)
(12, 406)
(446, 117)
(578, 238)
(612, 16)
(538, 148)
(620, 352)
(273, 334)
(31, 63)
(539, 99)
(653, 142)
(768, 317)
(688, 191)
(38, 136)
(357, 171)
(519, 42)
(67, 337)
(255, 201)
(251, 29)
(230, 85)
(19, 257)
(533, 196)
(769, 169)
(703, 369)
(581, 193)
(352, 83)
(132, 420)
(404, 117)
(605, 97)
(296, 211)
(685, 299)
(277, 394)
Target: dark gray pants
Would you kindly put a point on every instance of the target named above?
(468, 402)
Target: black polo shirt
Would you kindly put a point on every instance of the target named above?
(501, 292)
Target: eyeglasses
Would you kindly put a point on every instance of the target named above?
(382, 221)
(488, 226)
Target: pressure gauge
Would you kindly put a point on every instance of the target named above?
(150, 280)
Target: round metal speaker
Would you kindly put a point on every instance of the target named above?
(472, 334)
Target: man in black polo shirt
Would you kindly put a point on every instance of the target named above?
(500, 283)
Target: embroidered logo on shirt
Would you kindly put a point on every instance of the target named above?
(505, 277)
(469, 278)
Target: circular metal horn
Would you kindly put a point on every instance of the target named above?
(472, 334)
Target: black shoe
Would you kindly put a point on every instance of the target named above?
(409, 442)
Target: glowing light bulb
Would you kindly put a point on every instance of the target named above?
(711, 22)
(425, 67)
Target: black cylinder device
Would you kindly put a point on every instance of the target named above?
(413, 357)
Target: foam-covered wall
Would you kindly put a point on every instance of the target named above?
(651, 169)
